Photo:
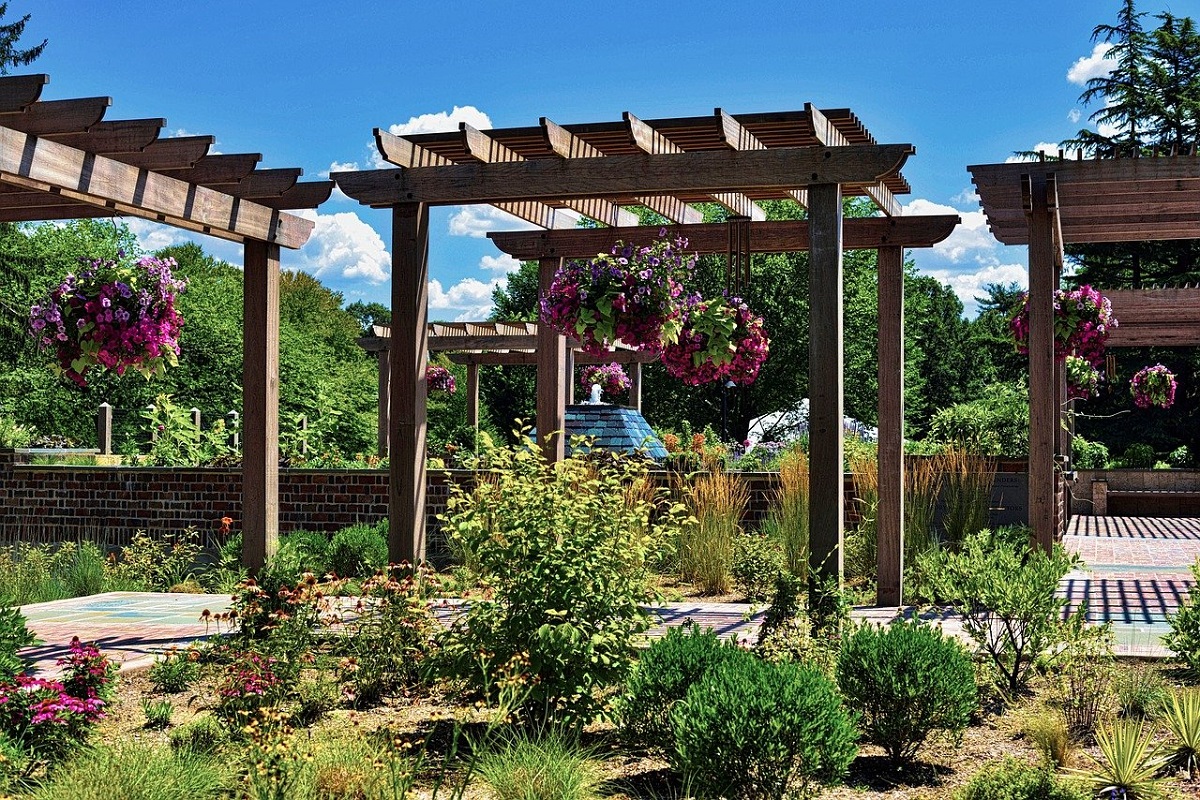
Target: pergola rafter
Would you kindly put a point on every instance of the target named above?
(808, 156)
(60, 160)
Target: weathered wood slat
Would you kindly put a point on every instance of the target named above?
(309, 194)
(791, 236)
(260, 421)
(44, 165)
(218, 169)
(55, 212)
(19, 91)
(545, 179)
(828, 135)
(890, 519)
(264, 183)
(117, 136)
(738, 138)
(58, 116)
(178, 153)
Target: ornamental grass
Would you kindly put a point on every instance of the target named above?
(717, 501)
(967, 494)
(787, 521)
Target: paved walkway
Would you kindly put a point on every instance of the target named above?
(1136, 571)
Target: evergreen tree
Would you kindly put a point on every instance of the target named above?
(10, 54)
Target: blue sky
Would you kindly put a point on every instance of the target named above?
(304, 83)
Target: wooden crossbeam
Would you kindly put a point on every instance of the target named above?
(18, 92)
(117, 136)
(568, 145)
(181, 152)
(58, 116)
(786, 236)
(487, 150)
(309, 194)
(44, 165)
(403, 153)
(828, 134)
(707, 172)
(652, 141)
(61, 210)
(264, 183)
(739, 138)
(218, 169)
(529, 357)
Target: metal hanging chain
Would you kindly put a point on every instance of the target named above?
(737, 256)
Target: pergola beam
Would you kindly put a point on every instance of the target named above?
(181, 152)
(828, 135)
(790, 236)
(117, 136)
(739, 138)
(615, 176)
(58, 116)
(218, 169)
(44, 165)
(17, 92)
(264, 183)
(529, 357)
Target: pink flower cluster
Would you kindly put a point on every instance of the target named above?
(115, 314)
(630, 293)
(1082, 319)
(249, 683)
(720, 340)
(1153, 386)
(611, 377)
(439, 379)
(1083, 379)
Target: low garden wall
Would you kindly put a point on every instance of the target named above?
(1136, 493)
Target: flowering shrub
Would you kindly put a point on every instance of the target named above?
(1153, 386)
(439, 379)
(630, 293)
(114, 314)
(720, 340)
(611, 377)
(87, 673)
(1082, 320)
(249, 683)
(1083, 379)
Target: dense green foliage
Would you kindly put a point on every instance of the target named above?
(995, 424)
(1010, 779)
(13, 636)
(907, 680)
(1184, 638)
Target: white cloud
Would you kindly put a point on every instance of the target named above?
(971, 239)
(1095, 65)
(437, 122)
(967, 197)
(968, 286)
(503, 264)
(341, 166)
(476, 221)
(1049, 148)
(1074, 115)
(470, 298)
(343, 245)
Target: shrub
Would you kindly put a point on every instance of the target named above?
(13, 636)
(136, 772)
(563, 552)
(1139, 454)
(174, 671)
(997, 424)
(202, 735)
(717, 501)
(1005, 591)
(1088, 455)
(755, 729)
(757, 563)
(156, 563)
(1047, 731)
(1180, 457)
(1082, 674)
(1140, 691)
(249, 683)
(662, 677)
(549, 768)
(359, 550)
(299, 552)
(1011, 779)
(1184, 638)
(1182, 718)
(907, 680)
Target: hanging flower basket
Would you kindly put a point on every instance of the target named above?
(720, 340)
(1082, 319)
(631, 293)
(611, 377)
(439, 379)
(1083, 380)
(115, 314)
(1153, 386)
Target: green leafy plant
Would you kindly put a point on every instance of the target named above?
(1140, 691)
(1088, 455)
(907, 680)
(1081, 675)
(13, 434)
(156, 563)
(136, 772)
(1011, 779)
(662, 677)
(158, 713)
(787, 519)
(1130, 762)
(547, 768)
(358, 551)
(174, 671)
(1139, 455)
(13, 636)
(563, 555)
(1182, 718)
(750, 728)
(317, 693)
(1005, 591)
(1046, 729)
(1184, 638)
(996, 424)
(757, 563)
(202, 735)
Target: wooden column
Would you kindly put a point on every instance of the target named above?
(473, 395)
(551, 366)
(385, 393)
(569, 378)
(410, 330)
(890, 525)
(260, 398)
(826, 499)
(635, 386)
(1043, 389)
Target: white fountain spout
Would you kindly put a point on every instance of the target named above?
(595, 399)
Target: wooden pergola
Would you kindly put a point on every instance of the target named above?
(60, 159)
(548, 174)
(1050, 203)
(492, 343)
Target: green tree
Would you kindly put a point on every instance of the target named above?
(369, 314)
(10, 35)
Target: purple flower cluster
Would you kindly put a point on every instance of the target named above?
(1083, 379)
(1153, 386)
(1082, 319)
(611, 377)
(720, 340)
(630, 293)
(249, 683)
(439, 379)
(115, 314)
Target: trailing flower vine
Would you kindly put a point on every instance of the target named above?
(611, 377)
(440, 379)
(1082, 320)
(720, 340)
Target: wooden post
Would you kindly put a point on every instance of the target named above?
(409, 355)
(551, 367)
(569, 377)
(104, 429)
(473, 395)
(635, 386)
(260, 390)
(385, 379)
(826, 498)
(890, 526)
(1043, 390)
